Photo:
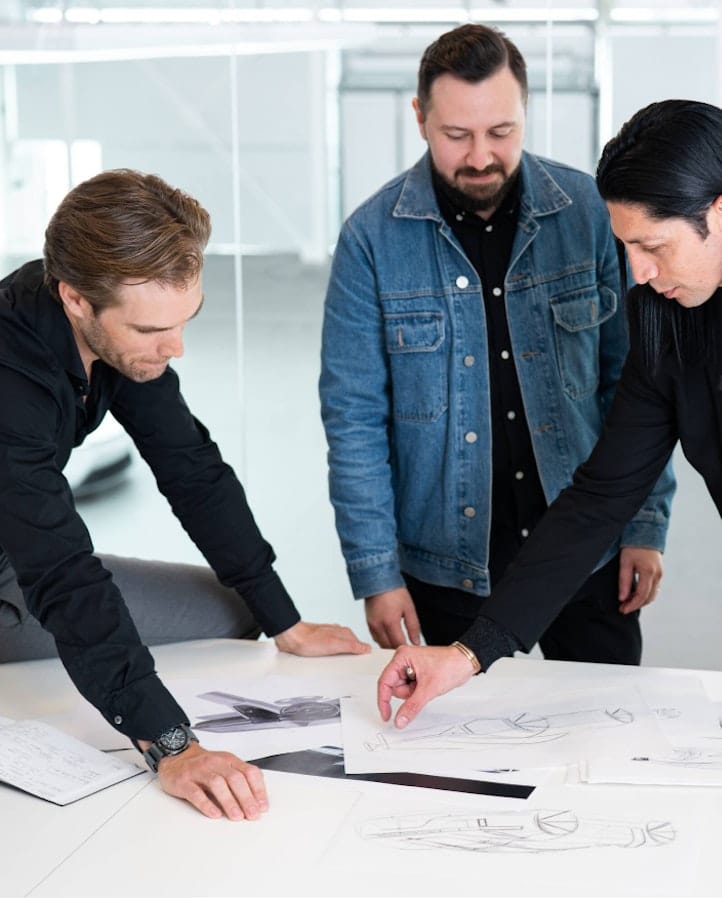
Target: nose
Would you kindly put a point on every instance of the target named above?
(479, 155)
(171, 344)
(643, 267)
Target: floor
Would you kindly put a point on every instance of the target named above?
(276, 442)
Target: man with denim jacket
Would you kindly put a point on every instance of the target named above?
(473, 338)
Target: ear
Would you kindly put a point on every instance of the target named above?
(714, 216)
(76, 306)
(420, 117)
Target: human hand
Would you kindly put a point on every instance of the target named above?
(436, 671)
(309, 639)
(643, 566)
(217, 783)
(385, 613)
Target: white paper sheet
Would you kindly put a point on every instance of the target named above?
(567, 841)
(43, 761)
(519, 729)
(278, 714)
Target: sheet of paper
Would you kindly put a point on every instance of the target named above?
(328, 762)
(519, 729)
(43, 761)
(567, 841)
(258, 717)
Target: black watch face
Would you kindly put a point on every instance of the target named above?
(175, 739)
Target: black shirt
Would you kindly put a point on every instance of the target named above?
(48, 407)
(517, 497)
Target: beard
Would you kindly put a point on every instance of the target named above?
(100, 345)
(476, 198)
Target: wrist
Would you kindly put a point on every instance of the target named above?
(289, 641)
(469, 654)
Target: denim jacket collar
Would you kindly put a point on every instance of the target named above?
(540, 194)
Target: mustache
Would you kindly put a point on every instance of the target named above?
(489, 170)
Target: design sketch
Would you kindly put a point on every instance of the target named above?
(255, 715)
(527, 831)
(688, 758)
(521, 729)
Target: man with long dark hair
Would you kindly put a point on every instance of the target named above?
(661, 178)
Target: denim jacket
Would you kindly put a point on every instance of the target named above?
(405, 379)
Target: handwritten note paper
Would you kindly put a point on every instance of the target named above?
(43, 761)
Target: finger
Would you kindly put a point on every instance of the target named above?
(390, 680)
(257, 784)
(410, 708)
(200, 800)
(626, 581)
(243, 792)
(234, 802)
(413, 625)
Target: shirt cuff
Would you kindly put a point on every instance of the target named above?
(271, 604)
(489, 640)
(144, 709)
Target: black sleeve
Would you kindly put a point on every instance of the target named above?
(583, 522)
(65, 586)
(205, 495)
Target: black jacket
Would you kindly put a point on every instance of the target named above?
(650, 413)
(42, 417)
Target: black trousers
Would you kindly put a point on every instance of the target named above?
(590, 628)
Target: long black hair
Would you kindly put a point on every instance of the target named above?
(667, 159)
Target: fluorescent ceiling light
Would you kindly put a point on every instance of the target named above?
(91, 15)
(681, 15)
(94, 15)
(455, 13)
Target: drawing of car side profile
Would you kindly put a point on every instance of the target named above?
(255, 715)
(530, 831)
(518, 729)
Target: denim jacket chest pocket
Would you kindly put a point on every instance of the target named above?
(578, 315)
(415, 348)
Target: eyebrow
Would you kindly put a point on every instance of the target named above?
(511, 123)
(150, 329)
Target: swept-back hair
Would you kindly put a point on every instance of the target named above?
(123, 226)
(472, 53)
(667, 159)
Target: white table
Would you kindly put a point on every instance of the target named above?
(133, 840)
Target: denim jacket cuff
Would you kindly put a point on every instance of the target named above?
(373, 576)
(645, 534)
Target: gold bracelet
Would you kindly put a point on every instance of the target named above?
(469, 654)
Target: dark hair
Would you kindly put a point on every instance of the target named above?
(660, 327)
(470, 52)
(124, 225)
(668, 159)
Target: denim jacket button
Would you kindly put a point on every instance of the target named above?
(462, 281)
(471, 437)
(469, 512)
(467, 583)
(469, 361)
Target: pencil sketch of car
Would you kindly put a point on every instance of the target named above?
(254, 715)
(102, 461)
(534, 830)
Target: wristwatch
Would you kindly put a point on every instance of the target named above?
(170, 743)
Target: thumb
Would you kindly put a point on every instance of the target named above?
(411, 707)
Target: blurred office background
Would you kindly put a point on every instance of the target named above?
(281, 116)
